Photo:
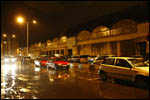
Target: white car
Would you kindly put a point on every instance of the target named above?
(125, 68)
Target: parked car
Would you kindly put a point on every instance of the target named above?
(58, 63)
(98, 60)
(126, 68)
(74, 59)
(147, 62)
(9, 59)
(26, 60)
(140, 57)
(43, 61)
(84, 59)
(91, 59)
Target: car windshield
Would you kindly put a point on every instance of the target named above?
(137, 62)
(45, 58)
(61, 59)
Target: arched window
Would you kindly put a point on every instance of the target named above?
(100, 31)
(63, 39)
(49, 43)
(124, 26)
(39, 44)
(55, 42)
(83, 35)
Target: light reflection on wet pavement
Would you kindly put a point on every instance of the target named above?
(79, 82)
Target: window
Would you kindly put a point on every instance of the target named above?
(122, 63)
(108, 61)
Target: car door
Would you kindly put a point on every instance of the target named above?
(123, 69)
(108, 67)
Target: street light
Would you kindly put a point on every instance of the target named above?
(5, 42)
(34, 21)
(9, 36)
(21, 20)
(4, 35)
(13, 36)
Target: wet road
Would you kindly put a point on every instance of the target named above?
(79, 82)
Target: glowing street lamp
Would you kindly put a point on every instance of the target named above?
(5, 42)
(13, 36)
(4, 35)
(34, 21)
(21, 20)
(9, 36)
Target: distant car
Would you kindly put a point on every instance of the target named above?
(9, 59)
(98, 60)
(43, 61)
(140, 57)
(58, 63)
(147, 62)
(26, 60)
(125, 68)
(74, 59)
(84, 59)
(91, 59)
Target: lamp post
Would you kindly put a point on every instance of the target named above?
(4, 48)
(9, 37)
(27, 37)
(21, 20)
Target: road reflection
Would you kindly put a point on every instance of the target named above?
(54, 75)
(8, 76)
(121, 91)
(80, 81)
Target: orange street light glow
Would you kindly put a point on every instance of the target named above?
(34, 21)
(13, 36)
(5, 42)
(20, 20)
(4, 35)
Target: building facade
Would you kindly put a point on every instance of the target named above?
(122, 34)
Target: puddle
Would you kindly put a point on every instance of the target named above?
(31, 84)
(25, 90)
(28, 86)
(23, 79)
(35, 91)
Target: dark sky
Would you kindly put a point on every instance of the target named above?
(54, 17)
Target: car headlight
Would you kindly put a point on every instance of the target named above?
(6, 60)
(13, 59)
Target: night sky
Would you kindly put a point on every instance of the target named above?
(54, 17)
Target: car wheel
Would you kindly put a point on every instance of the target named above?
(103, 76)
(67, 68)
(140, 82)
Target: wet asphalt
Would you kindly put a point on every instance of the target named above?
(79, 82)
